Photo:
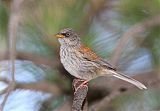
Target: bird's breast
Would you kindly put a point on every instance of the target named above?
(76, 65)
(69, 60)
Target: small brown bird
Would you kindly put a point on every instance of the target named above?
(81, 62)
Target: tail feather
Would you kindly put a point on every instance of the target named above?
(128, 79)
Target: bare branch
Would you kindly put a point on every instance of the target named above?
(12, 30)
(37, 59)
(5, 80)
(3, 91)
(79, 95)
(8, 91)
(133, 32)
(38, 86)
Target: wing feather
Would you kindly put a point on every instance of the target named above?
(91, 56)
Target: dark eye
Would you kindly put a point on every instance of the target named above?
(67, 34)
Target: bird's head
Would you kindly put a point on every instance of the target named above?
(68, 37)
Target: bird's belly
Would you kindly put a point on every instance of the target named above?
(71, 66)
(79, 70)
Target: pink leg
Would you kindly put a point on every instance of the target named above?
(78, 83)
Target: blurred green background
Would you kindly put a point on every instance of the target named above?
(101, 25)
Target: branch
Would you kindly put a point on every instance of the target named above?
(8, 91)
(5, 80)
(38, 86)
(3, 91)
(79, 95)
(133, 32)
(37, 59)
(12, 30)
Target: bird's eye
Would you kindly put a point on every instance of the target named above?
(67, 34)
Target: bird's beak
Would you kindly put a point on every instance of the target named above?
(59, 36)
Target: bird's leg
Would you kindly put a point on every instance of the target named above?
(78, 83)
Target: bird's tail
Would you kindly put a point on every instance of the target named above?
(128, 79)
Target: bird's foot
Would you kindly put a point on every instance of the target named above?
(79, 83)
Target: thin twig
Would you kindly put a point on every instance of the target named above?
(8, 91)
(3, 91)
(5, 80)
(12, 30)
(38, 86)
(35, 58)
(41, 86)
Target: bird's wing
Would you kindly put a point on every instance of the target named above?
(88, 53)
(91, 56)
(106, 64)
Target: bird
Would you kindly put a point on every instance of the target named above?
(82, 63)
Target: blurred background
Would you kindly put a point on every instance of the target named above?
(125, 32)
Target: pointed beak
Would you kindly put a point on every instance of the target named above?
(59, 36)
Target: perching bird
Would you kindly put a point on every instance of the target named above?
(81, 62)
